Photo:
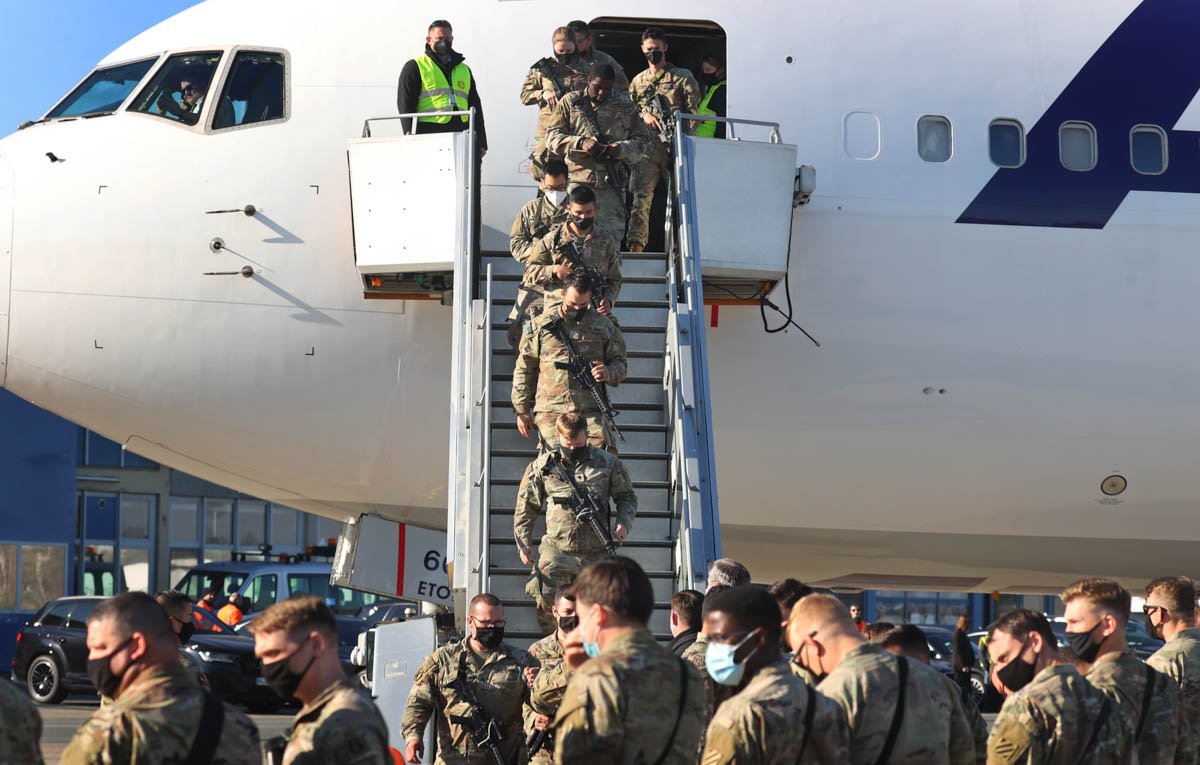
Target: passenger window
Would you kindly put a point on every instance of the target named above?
(862, 135)
(103, 91)
(1006, 143)
(261, 592)
(180, 88)
(79, 615)
(57, 616)
(1148, 149)
(1077, 146)
(254, 91)
(934, 139)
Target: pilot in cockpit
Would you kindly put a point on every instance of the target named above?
(192, 90)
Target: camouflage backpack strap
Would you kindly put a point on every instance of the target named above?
(1151, 678)
(208, 733)
(809, 714)
(1101, 719)
(683, 686)
(898, 715)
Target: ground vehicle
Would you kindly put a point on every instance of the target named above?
(51, 657)
(262, 583)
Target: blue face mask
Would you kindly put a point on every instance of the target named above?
(720, 665)
(592, 649)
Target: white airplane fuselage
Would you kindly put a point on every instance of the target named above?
(977, 382)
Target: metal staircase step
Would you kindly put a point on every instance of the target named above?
(639, 313)
(649, 526)
(508, 584)
(631, 265)
(631, 414)
(632, 287)
(636, 338)
(639, 390)
(652, 497)
(641, 363)
(640, 467)
(506, 438)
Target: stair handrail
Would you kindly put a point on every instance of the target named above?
(484, 421)
(693, 461)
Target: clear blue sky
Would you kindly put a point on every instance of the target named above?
(46, 46)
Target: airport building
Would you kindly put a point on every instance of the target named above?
(80, 516)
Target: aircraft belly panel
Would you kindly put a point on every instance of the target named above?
(6, 218)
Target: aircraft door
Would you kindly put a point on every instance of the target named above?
(6, 219)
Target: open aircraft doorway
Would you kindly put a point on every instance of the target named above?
(689, 42)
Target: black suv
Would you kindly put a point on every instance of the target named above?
(51, 657)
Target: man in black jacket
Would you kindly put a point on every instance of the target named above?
(439, 43)
(686, 611)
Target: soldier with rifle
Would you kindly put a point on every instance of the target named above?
(598, 132)
(575, 245)
(475, 688)
(568, 358)
(658, 91)
(546, 690)
(548, 80)
(576, 485)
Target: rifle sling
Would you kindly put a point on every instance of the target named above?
(683, 686)
(1146, 698)
(898, 715)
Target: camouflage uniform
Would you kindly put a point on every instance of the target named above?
(498, 678)
(1166, 737)
(618, 121)
(594, 56)
(155, 721)
(763, 724)
(935, 727)
(565, 79)
(1179, 660)
(979, 726)
(1053, 720)
(341, 726)
(547, 391)
(680, 92)
(716, 693)
(567, 546)
(20, 727)
(621, 707)
(597, 250)
(534, 221)
(547, 691)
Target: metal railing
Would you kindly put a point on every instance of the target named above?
(414, 116)
(482, 420)
(693, 480)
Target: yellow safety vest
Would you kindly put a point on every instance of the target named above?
(437, 95)
(708, 129)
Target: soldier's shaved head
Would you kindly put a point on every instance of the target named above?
(821, 613)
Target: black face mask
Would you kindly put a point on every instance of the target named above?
(575, 314)
(583, 223)
(490, 637)
(1083, 645)
(1017, 674)
(101, 674)
(655, 56)
(573, 453)
(186, 630)
(568, 623)
(281, 679)
(566, 58)
(709, 78)
(1155, 632)
(441, 47)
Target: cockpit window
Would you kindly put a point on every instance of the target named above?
(254, 90)
(103, 91)
(180, 88)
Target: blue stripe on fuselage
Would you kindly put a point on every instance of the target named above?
(1146, 72)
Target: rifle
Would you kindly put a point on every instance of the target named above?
(654, 102)
(484, 731)
(582, 502)
(618, 175)
(542, 65)
(581, 372)
(570, 251)
(538, 741)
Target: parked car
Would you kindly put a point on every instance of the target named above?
(51, 657)
(386, 611)
(261, 584)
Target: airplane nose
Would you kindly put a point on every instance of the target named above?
(7, 188)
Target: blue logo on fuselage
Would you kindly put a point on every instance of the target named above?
(1146, 72)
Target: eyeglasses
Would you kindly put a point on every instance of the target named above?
(498, 623)
(189, 89)
(1149, 609)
